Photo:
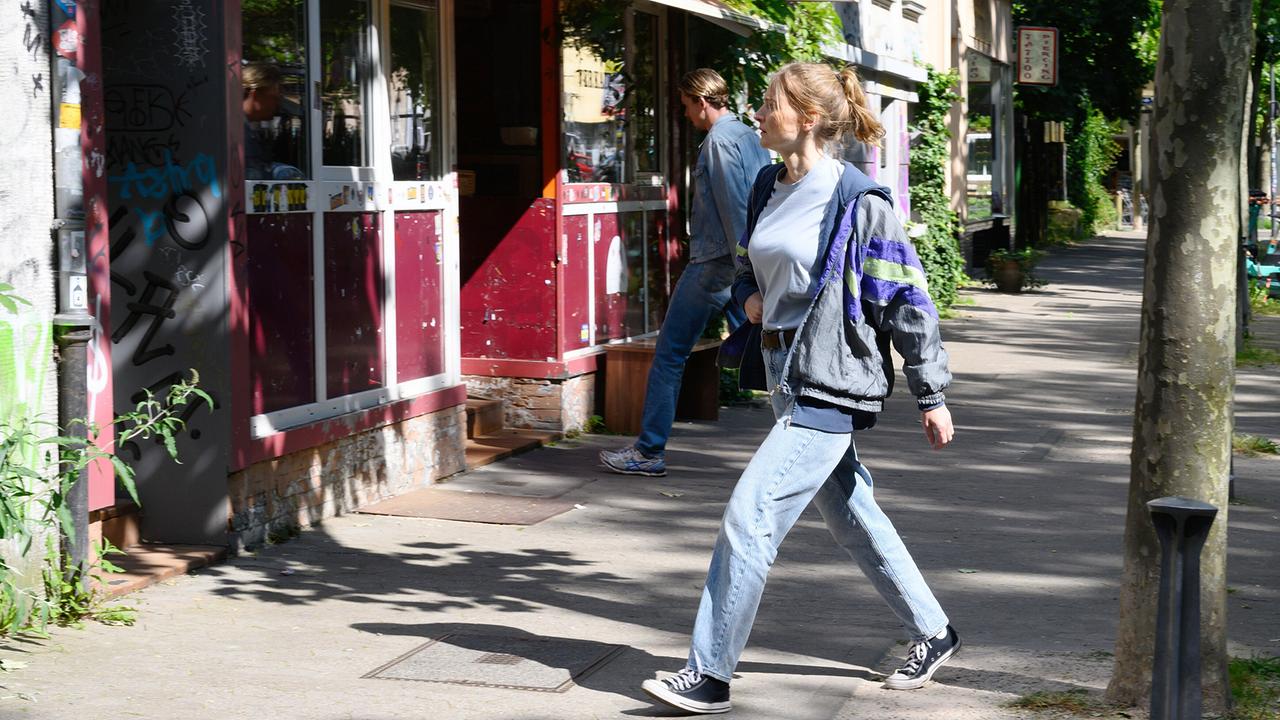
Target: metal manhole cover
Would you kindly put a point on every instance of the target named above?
(537, 664)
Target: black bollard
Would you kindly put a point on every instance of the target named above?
(1182, 525)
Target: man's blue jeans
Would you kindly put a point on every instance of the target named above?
(793, 466)
(702, 290)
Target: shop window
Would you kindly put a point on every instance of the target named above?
(643, 105)
(344, 70)
(612, 109)
(981, 173)
(321, 336)
(414, 87)
(281, 314)
(353, 303)
(275, 95)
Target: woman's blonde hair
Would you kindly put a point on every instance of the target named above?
(706, 83)
(833, 98)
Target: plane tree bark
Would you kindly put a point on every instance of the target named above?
(1186, 366)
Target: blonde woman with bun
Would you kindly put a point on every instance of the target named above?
(825, 267)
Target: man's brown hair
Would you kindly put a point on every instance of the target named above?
(706, 83)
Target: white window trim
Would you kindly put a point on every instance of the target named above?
(389, 197)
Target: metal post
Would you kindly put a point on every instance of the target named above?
(1271, 134)
(72, 323)
(72, 335)
(1183, 526)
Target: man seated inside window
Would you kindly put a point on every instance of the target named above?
(261, 104)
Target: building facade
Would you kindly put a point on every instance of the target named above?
(349, 216)
(976, 37)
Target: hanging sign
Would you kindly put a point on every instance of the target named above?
(1037, 56)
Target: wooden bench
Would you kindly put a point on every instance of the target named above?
(627, 376)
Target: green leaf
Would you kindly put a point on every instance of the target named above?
(171, 445)
(124, 474)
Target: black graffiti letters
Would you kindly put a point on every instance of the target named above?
(186, 220)
(141, 108)
(146, 305)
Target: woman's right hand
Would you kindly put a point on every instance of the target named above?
(754, 307)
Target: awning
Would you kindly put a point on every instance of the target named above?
(720, 14)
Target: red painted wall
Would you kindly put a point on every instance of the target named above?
(508, 271)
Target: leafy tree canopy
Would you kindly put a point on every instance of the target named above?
(1107, 55)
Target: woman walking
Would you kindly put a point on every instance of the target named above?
(827, 270)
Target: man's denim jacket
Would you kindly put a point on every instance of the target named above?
(872, 291)
(730, 157)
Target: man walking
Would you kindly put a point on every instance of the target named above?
(728, 161)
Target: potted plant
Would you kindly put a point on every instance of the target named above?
(1011, 271)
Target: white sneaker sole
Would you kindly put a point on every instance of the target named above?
(919, 682)
(659, 692)
(624, 471)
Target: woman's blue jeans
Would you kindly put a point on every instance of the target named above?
(702, 290)
(793, 466)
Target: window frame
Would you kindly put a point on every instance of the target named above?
(377, 192)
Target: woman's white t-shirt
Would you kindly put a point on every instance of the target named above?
(784, 247)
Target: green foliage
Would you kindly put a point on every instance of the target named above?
(1254, 445)
(39, 464)
(1072, 701)
(595, 424)
(729, 391)
(1254, 356)
(808, 27)
(938, 247)
(745, 63)
(8, 300)
(1107, 55)
(1091, 152)
(1026, 259)
(1260, 302)
(1255, 688)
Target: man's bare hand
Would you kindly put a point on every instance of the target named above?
(937, 426)
(754, 307)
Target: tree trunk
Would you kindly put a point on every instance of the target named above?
(1186, 368)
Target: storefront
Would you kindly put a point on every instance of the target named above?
(378, 208)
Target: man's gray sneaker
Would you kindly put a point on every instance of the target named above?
(690, 691)
(923, 660)
(630, 461)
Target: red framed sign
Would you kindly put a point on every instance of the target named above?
(1037, 56)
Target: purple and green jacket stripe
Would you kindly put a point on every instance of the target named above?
(883, 271)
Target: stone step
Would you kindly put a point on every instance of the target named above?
(120, 524)
(484, 416)
(146, 564)
(492, 447)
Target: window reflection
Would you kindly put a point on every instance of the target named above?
(274, 77)
(344, 53)
(414, 83)
(980, 113)
(644, 100)
(611, 109)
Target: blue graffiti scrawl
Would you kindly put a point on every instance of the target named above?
(170, 177)
(175, 183)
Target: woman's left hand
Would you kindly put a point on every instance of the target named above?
(937, 426)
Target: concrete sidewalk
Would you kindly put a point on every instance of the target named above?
(1018, 527)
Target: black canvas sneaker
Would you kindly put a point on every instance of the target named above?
(692, 691)
(923, 660)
